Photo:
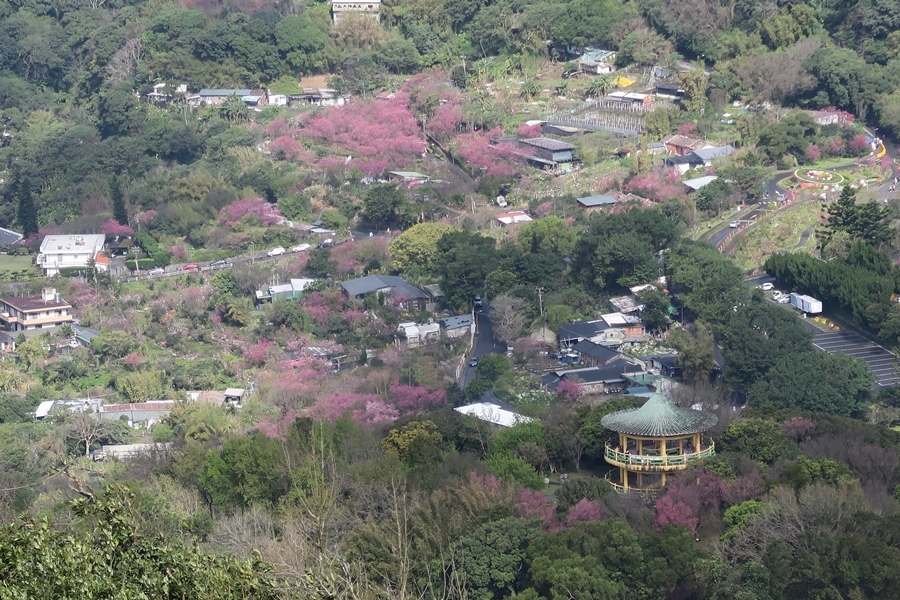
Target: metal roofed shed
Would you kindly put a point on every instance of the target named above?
(547, 144)
(234, 394)
(596, 200)
(708, 154)
(494, 411)
(511, 218)
(659, 417)
(699, 183)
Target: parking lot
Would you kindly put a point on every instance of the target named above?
(880, 361)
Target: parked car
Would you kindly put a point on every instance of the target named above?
(156, 271)
(767, 286)
(275, 251)
(219, 263)
(783, 300)
(326, 243)
(734, 224)
(191, 267)
(301, 248)
(777, 294)
(473, 362)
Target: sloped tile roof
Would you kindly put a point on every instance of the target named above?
(658, 417)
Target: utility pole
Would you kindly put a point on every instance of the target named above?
(540, 293)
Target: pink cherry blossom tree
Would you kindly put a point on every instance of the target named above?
(569, 390)
(286, 147)
(258, 354)
(264, 212)
(491, 159)
(585, 510)
(532, 504)
(671, 512)
(687, 129)
(859, 145)
(813, 153)
(410, 399)
(658, 186)
(113, 228)
(833, 146)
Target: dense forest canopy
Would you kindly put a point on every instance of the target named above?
(346, 472)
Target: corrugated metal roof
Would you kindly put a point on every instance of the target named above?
(597, 200)
(547, 144)
(658, 417)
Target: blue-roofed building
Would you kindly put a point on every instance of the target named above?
(8, 237)
(597, 61)
(401, 292)
(84, 335)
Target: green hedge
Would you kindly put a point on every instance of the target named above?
(144, 263)
(159, 255)
(75, 271)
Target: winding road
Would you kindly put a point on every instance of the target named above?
(774, 189)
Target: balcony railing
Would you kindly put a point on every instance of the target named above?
(645, 492)
(652, 463)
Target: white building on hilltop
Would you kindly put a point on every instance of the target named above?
(64, 251)
(339, 8)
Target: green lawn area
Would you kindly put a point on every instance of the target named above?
(10, 264)
(780, 232)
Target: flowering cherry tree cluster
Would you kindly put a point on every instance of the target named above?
(257, 354)
(413, 398)
(532, 504)
(363, 408)
(113, 228)
(236, 212)
(658, 186)
(286, 147)
(491, 159)
(371, 136)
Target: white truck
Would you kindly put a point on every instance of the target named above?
(807, 304)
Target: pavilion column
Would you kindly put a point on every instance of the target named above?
(697, 442)
(664, 479)
(623, 477)
(623, 442)
(640, 446)
(680, 446)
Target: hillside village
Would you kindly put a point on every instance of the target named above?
(361, 300)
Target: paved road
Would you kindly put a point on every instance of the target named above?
(719, 236)
(485, 343)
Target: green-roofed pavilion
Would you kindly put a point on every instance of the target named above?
(654, 440)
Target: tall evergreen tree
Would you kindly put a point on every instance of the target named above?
(118, 200)
(28, 219)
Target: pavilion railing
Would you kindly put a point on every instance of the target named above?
(674, 460)
(645, 492)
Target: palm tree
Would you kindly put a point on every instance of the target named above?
(599, 86)
(529, 90)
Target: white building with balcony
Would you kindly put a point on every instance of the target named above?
(64, 251)
(31, 315)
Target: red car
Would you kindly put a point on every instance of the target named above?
(191, 267)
